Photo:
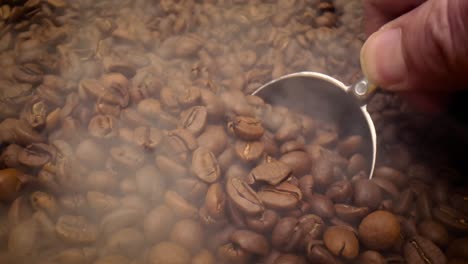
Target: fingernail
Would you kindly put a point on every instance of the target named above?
(382, 58)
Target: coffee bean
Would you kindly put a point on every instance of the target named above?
(321, 206)
(287, 235)
(214, 138)
(243, 196)
(149, 183)
(170, 167)
(421, 250)
(317, 253)
(127, 241)
(290, 129)
(203, 257)
(215, 201)
(340, 191)
(273, 172)
(450, 217)
(370, 256)
(179, 205)
(289, 259)
(247, 128)
(127, 156)
(188, 233)
(341, 242)
(282, 196)
(350, 213)
(434, 232)
(249, 150)
(379, 230)
(230, 253)
(313, 227)
(457, 248)
(251, 242)
(157, 223)
(103, 126)
(298, 161)
(194, 119)
(306, 184)
(76, 229)
(262, 223)
(391, 174)
(350, 145)
(367, 194)
(205, 166)
(158, 253)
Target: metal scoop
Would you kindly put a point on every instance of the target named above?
(320, 95)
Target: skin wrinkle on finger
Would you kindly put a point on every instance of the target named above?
(459, 26)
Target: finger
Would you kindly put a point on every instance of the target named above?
(423, 49)
(379, 12)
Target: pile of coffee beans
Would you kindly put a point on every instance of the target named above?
(128, 135)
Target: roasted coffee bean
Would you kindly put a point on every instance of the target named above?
(215, 201)
(292, 145)
(230, 253)
(283, 196)
(322, 171)
(203, 257)
(367, 194)
(149, 183)
(159, 254)
(23, 238)
(321, 206)
(298, 161)
(249, 150)
(379, 230)
(273, 172)
(251, 242)
(290, 129)
(434, 232)
(170, 167)
(357, 163)
(350, 213)
(158, 223)
(214, 105)
(289, 259)
(306, 184)
(127, 241)
(205, 166)
(103, 126)
(10, 183)
(91, 152)
(46, 202)
(148, 138)
(317, 253)
(262, 223)
(340, 191)
(76, 229)
(392, 175)
(118, 219)
(194, 119)
(189, 234)
(371, 257)
(247, 128)
(420, 250)
(451, 218)
(127, 156)
(388, 187)
(271, 147)
(341, 242)
(287, 234)
(214, 138)
(350, 145)
(244, 197)
(457, 248)
(313, 227)
(179, 205)
(117, 259)
(424, 205)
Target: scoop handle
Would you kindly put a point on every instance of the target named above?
(362, 90)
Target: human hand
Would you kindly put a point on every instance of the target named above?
(421, 50)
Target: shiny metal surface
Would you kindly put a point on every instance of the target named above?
(339, 100)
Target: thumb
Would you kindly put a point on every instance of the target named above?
(423, 49)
